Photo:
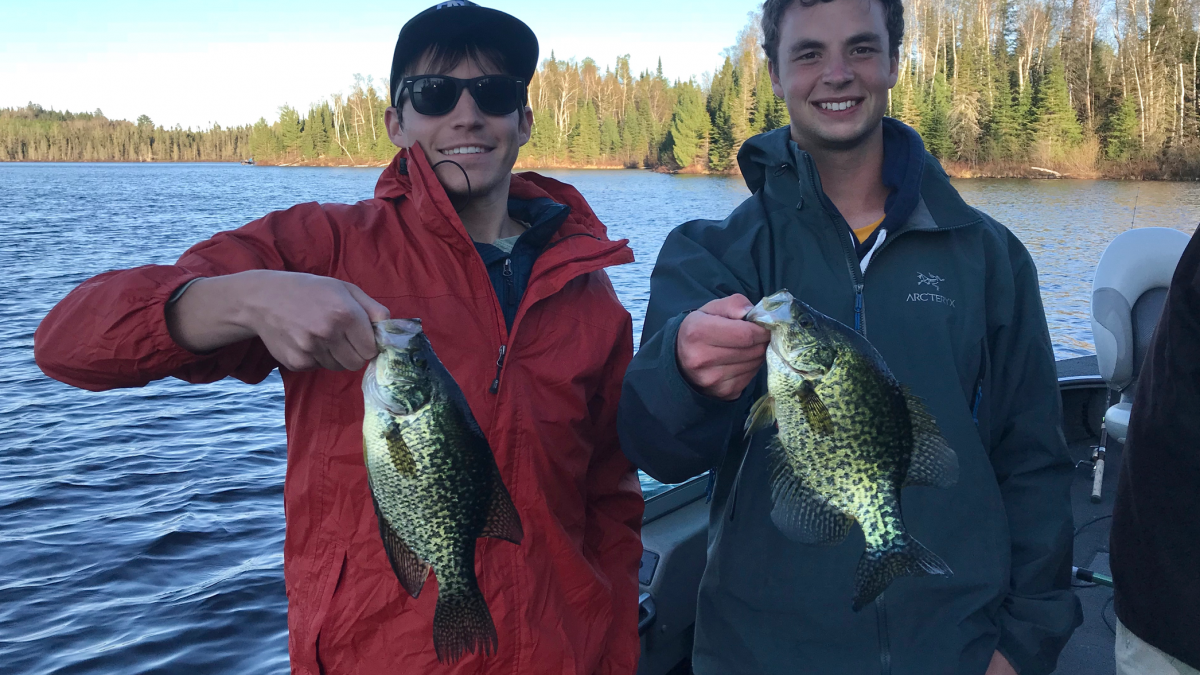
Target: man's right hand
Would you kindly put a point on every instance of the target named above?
(305, 321)
(719, 353)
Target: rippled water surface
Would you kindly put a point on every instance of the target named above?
(142, 530)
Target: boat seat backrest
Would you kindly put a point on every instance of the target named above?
(1128, 293)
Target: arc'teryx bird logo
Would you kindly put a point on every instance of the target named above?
(929, 280)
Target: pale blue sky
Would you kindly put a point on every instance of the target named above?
(194, 63)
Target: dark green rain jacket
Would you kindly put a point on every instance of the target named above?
(950, 299)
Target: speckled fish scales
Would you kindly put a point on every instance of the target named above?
(435, 484)
(850, 436)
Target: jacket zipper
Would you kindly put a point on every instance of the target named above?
(510, 286)
(852, 265)
(499, 366)
(507, 272)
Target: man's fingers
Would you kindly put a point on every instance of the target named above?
(346, 355)
(325, 359)
(361, 337)
(733, 307)
(732, 333)
(742, 335)
(375, 311)
(715, 357)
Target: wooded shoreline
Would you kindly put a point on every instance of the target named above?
(1078, 88)
(1128, 171)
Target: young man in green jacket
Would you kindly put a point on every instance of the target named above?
(852, 216)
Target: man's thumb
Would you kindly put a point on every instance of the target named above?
(375, 311)
(733, 307)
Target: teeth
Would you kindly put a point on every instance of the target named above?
(469, 150)
(838, 106)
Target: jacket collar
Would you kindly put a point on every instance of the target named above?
(410, 177)
(768, 163)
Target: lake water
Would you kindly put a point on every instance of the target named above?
(142, 530)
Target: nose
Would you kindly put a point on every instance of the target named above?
(466, 114)
(837, 71)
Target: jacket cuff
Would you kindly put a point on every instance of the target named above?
(685, 407)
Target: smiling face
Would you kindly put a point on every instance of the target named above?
(834, 68)
(484, 145)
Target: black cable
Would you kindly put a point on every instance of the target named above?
(1104, 614)
(1079, 529)
(1091, 522)
(460, 168)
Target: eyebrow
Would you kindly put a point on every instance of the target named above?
(866, 37)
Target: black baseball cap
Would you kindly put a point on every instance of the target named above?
(465, 20)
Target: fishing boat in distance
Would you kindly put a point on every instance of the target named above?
(1128, 293)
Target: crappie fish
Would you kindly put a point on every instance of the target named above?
(434, 482)
(850, 436)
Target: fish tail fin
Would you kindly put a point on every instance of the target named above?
(462, 624)
(877, 568)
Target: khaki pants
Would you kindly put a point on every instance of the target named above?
(1137, 657)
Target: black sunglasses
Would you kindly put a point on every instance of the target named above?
(438, 94)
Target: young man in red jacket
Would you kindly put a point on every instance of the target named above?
(507, 274)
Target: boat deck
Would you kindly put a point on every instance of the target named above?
(1090, 651)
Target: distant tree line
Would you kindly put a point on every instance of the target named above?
(1106, 86)
(583, 117)
(34, 134)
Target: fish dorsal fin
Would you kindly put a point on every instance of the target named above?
(799, 512)
(815, 411)
(408, 566)
(503, 522)
(762, 415)
(933, 463)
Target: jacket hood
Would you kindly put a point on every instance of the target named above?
(409, 176)
(922, 195)
(772, 150)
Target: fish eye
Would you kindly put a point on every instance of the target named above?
(806, 321)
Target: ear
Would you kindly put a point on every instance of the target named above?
(893, 70)
(776, 86)
(395, 128)
(525, 126)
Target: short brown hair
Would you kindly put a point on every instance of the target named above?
(772, 14)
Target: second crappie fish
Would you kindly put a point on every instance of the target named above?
(850, 437)
(435, 484)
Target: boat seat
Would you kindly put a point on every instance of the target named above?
(1128, 294)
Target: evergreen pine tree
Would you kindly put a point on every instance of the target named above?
(688, 131)
(263, 144)
(610, 137)
(1120, 129)
(543, 138)
(633, 140)
(907, 103)
(935, 127)
(721, 101)
(585, 137)
(289, 130)
(1026, 114)
(1002, 133)
(1056, 127)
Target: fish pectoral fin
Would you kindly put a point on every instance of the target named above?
(408, 566)
(815, 412)
(933, 463)
(877, 568)
(762, 415)
(503, 522)
(398, 452)
(799, 512)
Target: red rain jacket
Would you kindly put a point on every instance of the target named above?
(565, 599)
